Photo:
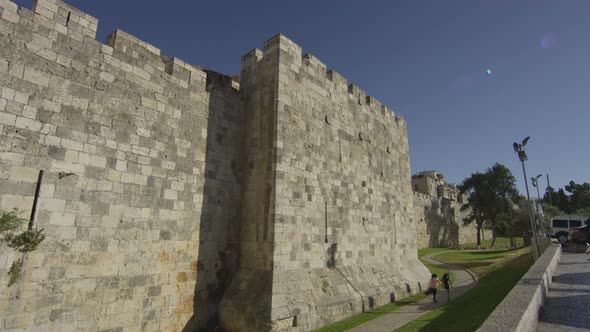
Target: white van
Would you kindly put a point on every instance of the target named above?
(560, 225)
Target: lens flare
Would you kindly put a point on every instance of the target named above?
(488, 71)
(548, 41)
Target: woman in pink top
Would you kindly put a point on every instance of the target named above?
(432, 284)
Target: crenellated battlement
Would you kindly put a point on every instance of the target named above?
(9, 11)
(65, 19)
(329, 80)
(280, 42)
(127, 43)
(249, 62)
(338, 80)
(422, 196)
(185, 72)
(317, 67)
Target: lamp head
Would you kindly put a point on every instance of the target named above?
(516, 147)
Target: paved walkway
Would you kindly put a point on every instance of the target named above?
(568, 301)
(464, 280)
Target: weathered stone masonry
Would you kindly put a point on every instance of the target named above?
(438, 215)
(175, 197)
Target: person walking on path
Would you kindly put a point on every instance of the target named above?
(432, 284)
(446, 282)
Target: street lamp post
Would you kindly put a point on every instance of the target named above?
(549, 192)
(519, 148)
(535, 182)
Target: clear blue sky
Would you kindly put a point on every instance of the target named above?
(426, 59)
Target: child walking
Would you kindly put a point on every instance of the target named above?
(432, 284)
(446, 282)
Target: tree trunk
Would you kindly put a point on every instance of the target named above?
(512, 242)
(478, 235)
(493, 237)
(483, 238)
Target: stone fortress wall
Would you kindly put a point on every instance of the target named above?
(140, 189)
(439, 219)
(341, 220)
(177, 198)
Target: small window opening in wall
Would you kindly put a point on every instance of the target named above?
(388, 151)
(339, 150)
(68, 19)
(326, 222)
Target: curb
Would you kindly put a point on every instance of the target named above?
(519, 311)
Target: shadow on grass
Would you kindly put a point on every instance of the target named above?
(489, 252)
(473, 265)
(477, 253)
(466, 257)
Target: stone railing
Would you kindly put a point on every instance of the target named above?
(519, 311)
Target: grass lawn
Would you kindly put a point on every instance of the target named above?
(498, 271)
(479, 262)
(426, 251)
(501, 242)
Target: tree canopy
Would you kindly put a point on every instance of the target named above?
(578, 200)
(490, 197)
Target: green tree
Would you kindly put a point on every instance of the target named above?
(522, 220)
(576, 202)
(563, 202)
(580, 195)
(502, 182)
(550, 196)
(475, 189)
(490, 197)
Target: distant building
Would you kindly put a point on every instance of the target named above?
(440, 219)
(432, 183)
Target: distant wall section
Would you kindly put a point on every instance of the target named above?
(437, 209)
